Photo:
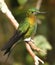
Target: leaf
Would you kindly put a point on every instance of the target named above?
(42, 43)
(22, 2)
(42, 17)
(29, 59)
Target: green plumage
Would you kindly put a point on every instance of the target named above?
(25, 25)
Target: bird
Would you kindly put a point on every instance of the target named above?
(26, 29)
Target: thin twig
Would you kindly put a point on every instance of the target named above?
(30, 50)
(36, 58)
(38, 4)
(33, 46)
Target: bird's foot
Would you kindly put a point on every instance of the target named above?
(27, 39)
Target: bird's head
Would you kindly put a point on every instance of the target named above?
(32, 15)
(33, 11)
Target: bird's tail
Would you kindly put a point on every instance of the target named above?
(18, 34)
(11, 42)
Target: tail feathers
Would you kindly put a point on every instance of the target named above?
(11, 42)
(7, 51)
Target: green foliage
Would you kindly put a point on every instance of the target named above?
(42, 43)
(41, 17)
(29, 59)
(22, 2)
(46, 63)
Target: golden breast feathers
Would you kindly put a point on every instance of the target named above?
(32, 20)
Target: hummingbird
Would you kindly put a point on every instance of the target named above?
(26, 29)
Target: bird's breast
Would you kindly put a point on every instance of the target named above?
(32, 20)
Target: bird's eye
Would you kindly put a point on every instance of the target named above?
(32, 12)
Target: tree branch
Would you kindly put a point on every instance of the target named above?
(38, 4)
(36, 58)
(34, 47)
(7, 12)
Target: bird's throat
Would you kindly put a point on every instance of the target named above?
(32, 20)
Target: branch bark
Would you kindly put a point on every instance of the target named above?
(38, 4)
(4, 8)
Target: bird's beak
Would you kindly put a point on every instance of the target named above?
(38, 12)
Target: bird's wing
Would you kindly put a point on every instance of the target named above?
(18, 34)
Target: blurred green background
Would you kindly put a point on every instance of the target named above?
(45, 35)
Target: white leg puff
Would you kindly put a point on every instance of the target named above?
(27, 39)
